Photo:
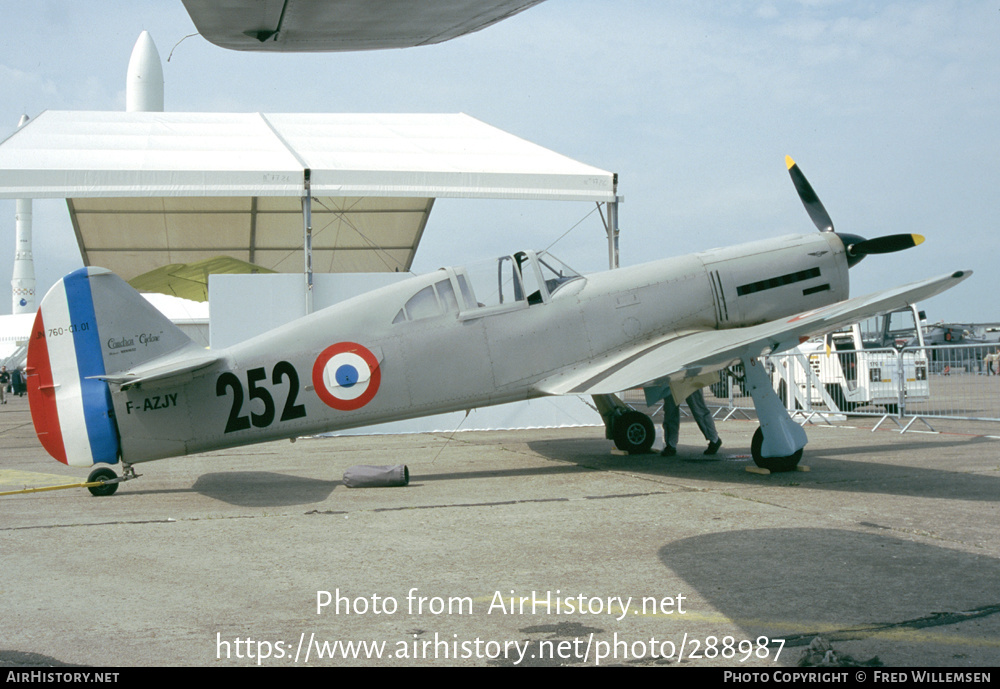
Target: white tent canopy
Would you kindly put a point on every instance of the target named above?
(146, 189)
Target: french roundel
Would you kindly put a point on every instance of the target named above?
(346, 376)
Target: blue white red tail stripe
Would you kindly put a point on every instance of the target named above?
(71, 410)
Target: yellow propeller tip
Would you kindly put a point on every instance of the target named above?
(918, 239)
(789, 162)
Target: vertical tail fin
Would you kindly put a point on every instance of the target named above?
(90, 324)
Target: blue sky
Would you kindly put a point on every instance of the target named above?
(891, 110)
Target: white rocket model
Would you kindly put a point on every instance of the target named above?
(144, 82)
(143, 93)
(23, 281)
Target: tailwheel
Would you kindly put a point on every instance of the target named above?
(103, 474)
(788, 463)
(634, 432)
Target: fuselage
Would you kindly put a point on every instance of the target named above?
(435, 343)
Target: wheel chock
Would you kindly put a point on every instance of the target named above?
(767, 472)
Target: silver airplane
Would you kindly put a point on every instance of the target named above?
(111, 380)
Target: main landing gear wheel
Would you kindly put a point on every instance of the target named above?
(772, 463)
(103, 474)
(634, 433)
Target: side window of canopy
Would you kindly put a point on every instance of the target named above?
(432, 300)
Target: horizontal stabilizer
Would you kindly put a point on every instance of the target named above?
(160, 371)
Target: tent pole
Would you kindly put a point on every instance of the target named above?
(612, 228)
(610, 406)
(307, 241)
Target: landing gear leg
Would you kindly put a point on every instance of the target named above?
(128, 472)
(777, 444)
(110, 479)
(632, 431)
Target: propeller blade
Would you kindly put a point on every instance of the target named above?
(814, 206)
(856, 247)
(885, 245)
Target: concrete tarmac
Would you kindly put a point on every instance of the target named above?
(525, 548)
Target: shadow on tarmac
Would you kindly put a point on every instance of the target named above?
(828, 472)
(842, 585)
(22, 659)
(263, 488)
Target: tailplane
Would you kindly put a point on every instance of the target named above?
(90, 325)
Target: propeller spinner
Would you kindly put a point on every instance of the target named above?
(856, 247)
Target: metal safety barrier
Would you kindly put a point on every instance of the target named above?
(964, 383)
(958, 382)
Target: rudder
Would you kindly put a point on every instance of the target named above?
(90, 324)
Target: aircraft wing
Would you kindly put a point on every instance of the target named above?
(337, 25)
(690, 353)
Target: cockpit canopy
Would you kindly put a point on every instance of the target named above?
(508, 282)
